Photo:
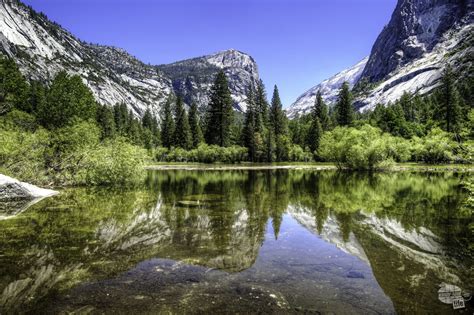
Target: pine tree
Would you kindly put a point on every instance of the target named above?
(147, 119)
(248, 132)
(182, 133)
(321, 111)
(37, 98)
(68, 98)
(121, 118)
(13, 87)
(106, 122)
(135, 131)
(449, 102)
(344, 110)
(167, 125)
(195, 126)
(314, 133)
(278, 119)
(408, 107)
(220, 113)
(262, 107)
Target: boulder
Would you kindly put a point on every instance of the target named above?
(16, 196)
(13, 189)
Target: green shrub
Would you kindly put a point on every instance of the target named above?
(364, 148)
(436, 147)
(204, 153)
(297, 154)
(116, 162)
(22, 154)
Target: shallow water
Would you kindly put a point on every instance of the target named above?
(243, 241)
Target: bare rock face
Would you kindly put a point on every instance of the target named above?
(415, 28)
(42, 48)
(193, 78)
(409, 55)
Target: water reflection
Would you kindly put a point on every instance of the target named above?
(253, 240)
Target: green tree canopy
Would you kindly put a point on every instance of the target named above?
(220, 113)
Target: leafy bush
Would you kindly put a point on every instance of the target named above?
(364, 148)
(116, 162)
(436, 147)
(22, 154)
(297, 154)
(204, 154)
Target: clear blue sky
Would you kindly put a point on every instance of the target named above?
(296, 43)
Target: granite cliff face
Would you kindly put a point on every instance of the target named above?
(329, 89)
(193, 78)
(42, 48)
(409, 55)
(416, 27)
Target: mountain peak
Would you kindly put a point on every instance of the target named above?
(42, 48)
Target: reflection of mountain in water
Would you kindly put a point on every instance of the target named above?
(403, 225)
(407, 263)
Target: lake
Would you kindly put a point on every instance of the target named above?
(241, 241)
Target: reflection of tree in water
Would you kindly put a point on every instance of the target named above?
(218, 218)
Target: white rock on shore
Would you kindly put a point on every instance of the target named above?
(13, 189)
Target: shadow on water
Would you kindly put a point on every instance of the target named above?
(242, 241)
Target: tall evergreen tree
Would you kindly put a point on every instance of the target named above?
(220, 113)
(344, 110)
(314, 134)
(449, 101)
(321, 111)
(106, 122)
(13, 87)
(67, 99)
(278, 119)
(408, 107)
(167, 125)
(249, 129)
(182, 134)
(262, 107)
(121, 118)
(37, 98)
(147, 119)
(195, 127)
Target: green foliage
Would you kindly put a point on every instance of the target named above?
(436, 147)
(106, 122)
(13, 87)
(116, 162)
(22, 154)
(367, 148)
(344, 109)
(167, 125)
(67, 99)
(315, 131)
(220, 113)
(17, 119)
(297, 154)
(320, 110)
(449, 100)
(203, 154)
(182, 134)
(195, 126)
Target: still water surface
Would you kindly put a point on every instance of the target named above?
(275, 241)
